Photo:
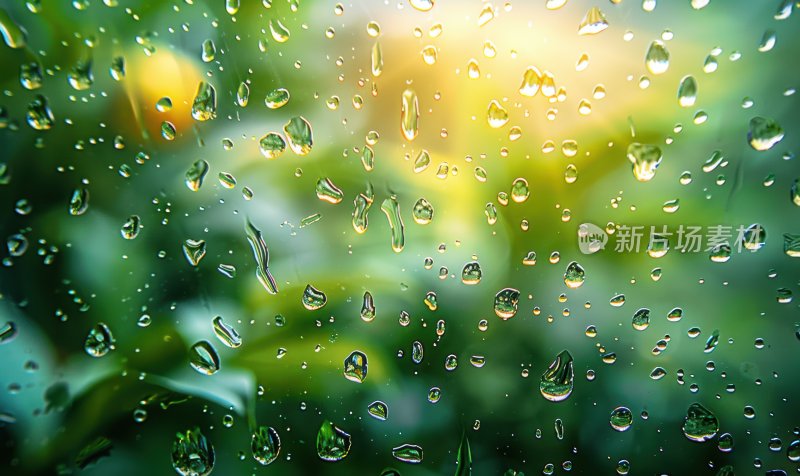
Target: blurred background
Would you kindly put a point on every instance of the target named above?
(97, 127)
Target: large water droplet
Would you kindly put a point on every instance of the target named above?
(687, 91)
(505, 303)
(333, 444)
(408, 453)
(496, 115)
(195, 175)
(355, 366)
(226, 333)
(378, 410)
(265, 444)
(621, 419)
(558, 380)
(204, 106)
(99, 341)
(194, 250)
(641, 319)
(203, 358)
(657, 58)
(409, 114)
(700, 424)
(79, 202)
(298, 132)
(423, 211)
(574, 276)
(645, 159)
(593, 22)
(764, 133)
(192, 454)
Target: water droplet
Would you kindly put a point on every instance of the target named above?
(429, 54)
(99, 341)
(754, 237)
(505, 303)
(204, 358)
(194, 250)
(80, 76)
(13, 34)
(367, 308)
(30, 75)
(130, 229)
(298, 132)
(265, 445)
(471, 274)
(378, 410)
(531, 81)
(208, 51)
(645, 159)
(195, 175)
(764, 133)
(557, 381)
(519, 190)
(593, 22)
(641, 319)
(687, 91)
(279, 32)
(377, 59)
(657, 58)
(473, 70)
(79, 202)
(725, 443)
(333, 444)
(168, 131)
(391, 209)
(328, 192)
(496, 115)
(554, 4)
(226, 334)
(204, 106)
(700, 424)
(486, 15)
(355, 366)
(313, 298)
(192, 454)
(423, 212)
(277, 98)
(422, 5)
(574, 276)
(712, 342)
(422, 161)
(417, 352)
(39, 116)
(408, 453)
(409, 115)
(768, 41)
(362, 204)
(272, 145)
(243, 94)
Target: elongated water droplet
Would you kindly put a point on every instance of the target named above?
(687, 91)
(377, 59)
(272, 145)
(593, 22)
(764, 133)
(768, 41)
(204, 358)
(473, 69)
(99, 341)
(362, 204)
(117, 68)
(505, 303)
(192, 454)
(194, 250)
(277, 98)
(208, 51)
(700, 424)
(417, 352)
(519, 190)
(422, 5)
(168, 131)
(298, 132)
(554, 4)
(712, 342)
(8, 332)
(409, 114)
(408, 453)
(491, 213)
(204, 106)
(558, 380)
(261, 254)
(328, 192)
(496, 115)
(333, 444)
(232, 6)
(313, 298)
(13, 34)
(279, 32)
(657, 58)
(79, 201)
(378, 410)
(645, 159)
(471, 273)
(367, 307)
(39, 116)
(243, 94)
(355, 366)
(641, 319)
(226, 334)
(574, 276)
(391, 209)
(265, 445)
(195, 175)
